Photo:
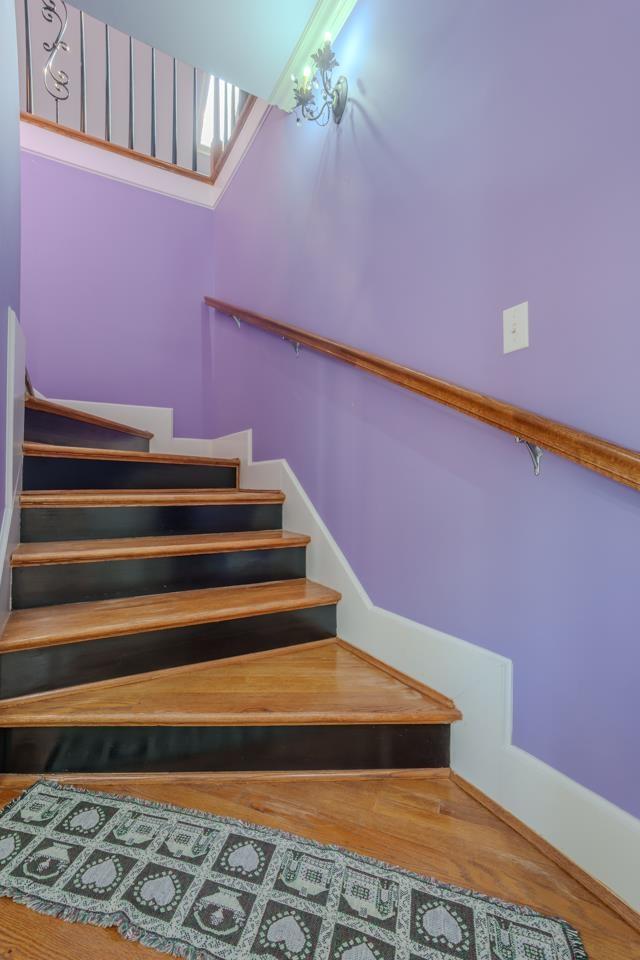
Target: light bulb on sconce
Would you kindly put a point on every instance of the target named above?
(334, 98)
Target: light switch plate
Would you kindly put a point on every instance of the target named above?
(515, 327)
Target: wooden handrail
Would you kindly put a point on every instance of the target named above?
(609, 459)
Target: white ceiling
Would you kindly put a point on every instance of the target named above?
(247, 42)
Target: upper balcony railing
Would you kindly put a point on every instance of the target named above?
(88, 80)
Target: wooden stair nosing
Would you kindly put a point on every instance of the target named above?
(187, 496)
(60, 451)
(136, 548)
(71, 413)
(258, 718)
(78, 622)
(20, 781)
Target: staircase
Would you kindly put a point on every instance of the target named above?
(162, 621)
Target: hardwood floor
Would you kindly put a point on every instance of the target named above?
(319, 683)
(424, 824)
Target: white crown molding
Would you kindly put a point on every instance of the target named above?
(329, 16)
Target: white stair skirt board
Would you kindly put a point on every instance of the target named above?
(597, 835)
(14, 434)
(157, 420)
(116, 166)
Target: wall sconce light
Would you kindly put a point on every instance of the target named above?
(334, 99)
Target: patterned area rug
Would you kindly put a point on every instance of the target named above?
(200, 886)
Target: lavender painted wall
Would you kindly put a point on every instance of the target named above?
(489, 155)
(112, 282)
(9, 201)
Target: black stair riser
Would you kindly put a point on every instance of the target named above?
(42, 427)
(58, 583)
(39, 525)
(107, 658)
(73, 473)
(165, 749)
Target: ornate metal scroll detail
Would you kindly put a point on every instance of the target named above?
(56, 80)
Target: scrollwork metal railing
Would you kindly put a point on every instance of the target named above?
(56, 80)
(111, 88)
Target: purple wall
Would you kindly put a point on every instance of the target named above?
(112, 280)
(489, 155)
(9, 201)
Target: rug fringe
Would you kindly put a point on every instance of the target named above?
(125, 927)
(23, 793)
(575, 942)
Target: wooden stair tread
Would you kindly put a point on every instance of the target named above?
(326, 683)
(135, 456)
(75, 622)
(131, 548)
(46, 406)
(207, 496)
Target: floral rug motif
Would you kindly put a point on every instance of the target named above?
(204, 887)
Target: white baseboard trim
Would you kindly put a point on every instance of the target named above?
(14, 433)
(595, 834)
